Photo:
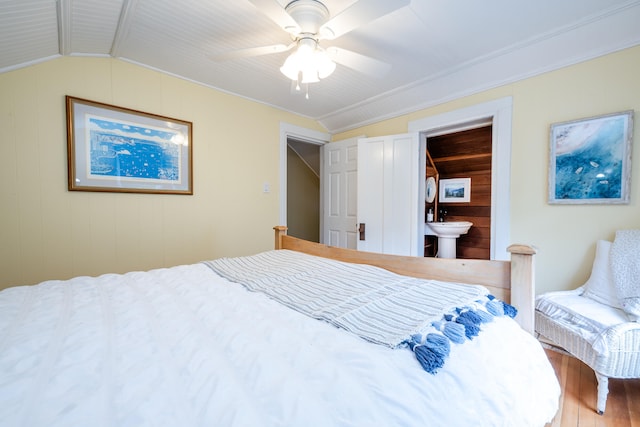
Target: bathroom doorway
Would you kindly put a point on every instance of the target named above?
(463, 154)
(499, 113)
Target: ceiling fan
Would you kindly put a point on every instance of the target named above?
(308, 22)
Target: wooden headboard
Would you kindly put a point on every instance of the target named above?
(512, 281)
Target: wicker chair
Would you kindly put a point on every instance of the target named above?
(590, 325)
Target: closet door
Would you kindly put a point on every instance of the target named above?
(389, 195)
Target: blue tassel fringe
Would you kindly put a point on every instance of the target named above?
(495, 307)
(509, 310)
(433, 352)
(471, 329)
(452, 330)
(456, 328)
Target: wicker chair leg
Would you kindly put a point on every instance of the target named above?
(603, 390)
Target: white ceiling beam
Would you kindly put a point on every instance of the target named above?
(63, 10)
(124, 25)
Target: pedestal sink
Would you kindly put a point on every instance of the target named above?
(447, 232)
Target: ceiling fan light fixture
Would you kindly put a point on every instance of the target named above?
(309, 61)
(310, 75)
(291, 66)
(324, 64)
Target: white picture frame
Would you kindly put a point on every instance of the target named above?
(455, 190)
(590, 160)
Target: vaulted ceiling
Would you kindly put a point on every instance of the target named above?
(437, 49)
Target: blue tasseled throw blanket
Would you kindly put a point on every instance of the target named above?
(373, 303)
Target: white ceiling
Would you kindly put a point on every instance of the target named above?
(438, 49)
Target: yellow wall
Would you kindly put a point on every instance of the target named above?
(47, 232)
(564, 235)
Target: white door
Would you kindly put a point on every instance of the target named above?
(391, 194)
(340, 185)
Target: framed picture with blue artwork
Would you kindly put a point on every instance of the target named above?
(116, 149)
(455, 190)
(590, 160)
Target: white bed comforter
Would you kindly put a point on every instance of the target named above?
(184, 347)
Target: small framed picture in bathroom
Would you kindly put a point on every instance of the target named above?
(456, 190)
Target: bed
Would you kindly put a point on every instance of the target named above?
(188, 346)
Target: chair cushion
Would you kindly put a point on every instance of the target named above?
(581, 315)
(600, 286)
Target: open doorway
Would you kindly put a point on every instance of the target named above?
(463, 154)
(303, 189)
(306, 140)
(499, 113)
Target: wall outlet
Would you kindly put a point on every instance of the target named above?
(266, 187)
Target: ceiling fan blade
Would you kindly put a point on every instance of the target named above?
(359, 13)
(277, 14)
(358, 62)
(251, 51)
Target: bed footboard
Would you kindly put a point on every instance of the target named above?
(511, 281)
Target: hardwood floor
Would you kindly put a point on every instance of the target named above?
(578, 401)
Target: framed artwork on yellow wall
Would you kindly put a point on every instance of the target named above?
(117, 149)
(590, 160)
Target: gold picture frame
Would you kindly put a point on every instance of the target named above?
(117, 149)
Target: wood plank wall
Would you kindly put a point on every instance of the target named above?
(467, 154)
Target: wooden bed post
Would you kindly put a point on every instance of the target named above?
(523, 284)
(281, 230)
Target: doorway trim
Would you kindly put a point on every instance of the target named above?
(288, 130)
(499, 112)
